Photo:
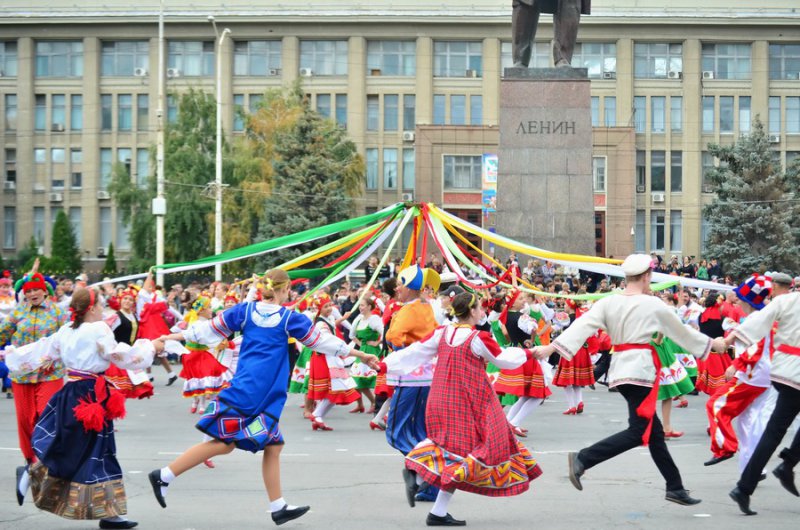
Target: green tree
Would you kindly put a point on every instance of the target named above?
(27, 255)
(135, 204)
(64, 252)
(317, 172)
(754, 220)
(110, 267)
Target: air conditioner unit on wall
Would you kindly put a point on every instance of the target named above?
(101, 252)
(103, 195)
(408, 197)
(274, 71)
(675, 74)
(708, 188)
(639, 189)
(9, 185)
(56, 197)
(408, 136)
(139, 72)
(306, 72)
(658, 197)
(774, 138)
(609, 75)
(57, 127)
(173, 72)
(471, 73)
(708, 74)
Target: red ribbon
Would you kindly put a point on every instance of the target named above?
(788, 350)
(647, 408)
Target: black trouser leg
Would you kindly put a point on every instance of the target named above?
(631, 437)
(565, 30)
(601, 367)
(786, 409)
(524, 20)
(379, 401)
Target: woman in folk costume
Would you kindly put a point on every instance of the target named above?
(204, 375)
(574, 374)
(32, 319)
(246, 415)
(367, 333)
(673, 381)
(150, 308)
(329, 382)
(133, 384)
(747, 397)
(498, 332)
(630, 319)
(711, 371)
(7, 304)
(469, 445)
(298, 383)
(383, 390)
(78, 475)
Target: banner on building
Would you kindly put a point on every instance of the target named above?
(489, 184)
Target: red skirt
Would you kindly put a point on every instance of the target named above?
(204, 374)
(119, 378)
(711, 372)
(382, 389)
(525, 381)
(577, 372)
(319, 383)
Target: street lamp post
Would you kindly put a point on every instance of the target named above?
(159, 203)
(218, 173)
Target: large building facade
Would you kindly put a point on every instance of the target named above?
(415, 85)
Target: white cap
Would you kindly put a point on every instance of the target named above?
(636, 264)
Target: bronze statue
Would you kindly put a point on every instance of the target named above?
(525, 18)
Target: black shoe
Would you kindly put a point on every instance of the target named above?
(604, 383)
(117, 524)
(717, 459)
(157, 483)
(591, 387)
(172, 379)
(285, 514)
(575, 470)
(762, 477)
(21, 470)
(743, 500)
(681, 497)
(410, 480)
(613, 389)
(785, 474)
(447, 520)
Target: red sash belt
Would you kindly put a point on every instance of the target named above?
(647, 408)
(789, 350)
(109, 404)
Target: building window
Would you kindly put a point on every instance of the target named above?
(708, 114)
(675, 230)
(172, 109)
(59, 59)
(391, 57)
(458, 109)
(11, 112)
(142, 112)
(8, 58)
(391, 111)
(40, 112)
(599, 173)
(254, 103)
(324, 57)
(727, 61)
(438, 109)
(124, 112)
(457, 59)
(655, 60)
(58, 155)
(106, 226)
(639, 232)
(595, 102)
(142, 167)
(744, 114)
(389, 169)
(76, 112)
(657, 227)
(639, 113)
(610, 111)
(191, 58)
(38, 225)
(40, 155)
(775, 114)
(597, 57)
(9, 227)
(676, 171)
(75, 162)
(707, 164)
(106, 116)
(726, 114)
(54, 211)
(372, 168)
(784, 61)
(657, 171)
(676, 114)
(462, 172)
(238, 112)
(476, 110)
(408, 169)
(373, 107)
(11, 165)
(106, 163)
(341, 110)
(58, 117)
(75, 221)
(123, 58)
(540, 56)
(705, 232)
(324, 105)
(658, 114)
(641, 171)
(257, 58)
(409, 112)
(793, 115)
(123, 241)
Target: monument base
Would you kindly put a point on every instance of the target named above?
(544, 184)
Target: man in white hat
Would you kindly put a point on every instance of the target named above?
(785, 375)
(631, 319)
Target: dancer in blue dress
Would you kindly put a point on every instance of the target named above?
(246, 414)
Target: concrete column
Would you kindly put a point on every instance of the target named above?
(424, 87)
(356, 90)
(90, 143)
(290, 59)
(490, 87)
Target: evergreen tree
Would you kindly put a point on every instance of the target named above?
(317, 170)
(65, 256)
(27, 255)
(110, 267)
(754, 220)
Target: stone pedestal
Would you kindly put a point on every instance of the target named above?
(544, 183)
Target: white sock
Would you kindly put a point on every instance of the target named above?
(383, 411)
(323, 408)
(166, 476)
(578, 395)
(442, 501)
(569, 390)
(514, 409)
(279, 504)
(419, 480)
(24, 483)
(527, 407)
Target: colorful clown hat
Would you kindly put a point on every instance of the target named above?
(755, 290)
(415, 278)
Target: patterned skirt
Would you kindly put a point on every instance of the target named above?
(532, 379)
(224, 423)
(333, 383)
(78, 475)
(577, 372)
(204, 374)
(300, 372)
(364, 376)
(711, 372)
(122, 381)
(673, 379)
